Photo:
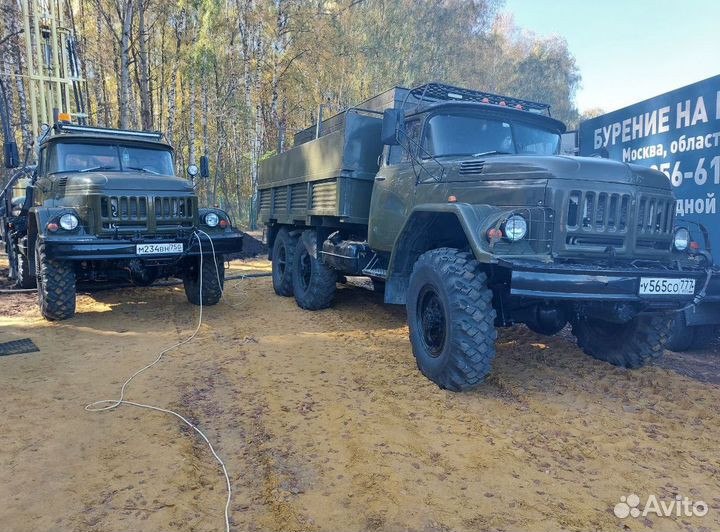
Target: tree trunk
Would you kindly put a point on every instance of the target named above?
(191, 121)
(146, 113)
(125, 88)
(172, 91)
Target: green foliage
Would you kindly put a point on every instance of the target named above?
(260, 68)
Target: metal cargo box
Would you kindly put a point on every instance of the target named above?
(329, 176)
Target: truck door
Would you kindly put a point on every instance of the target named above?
(393, 193)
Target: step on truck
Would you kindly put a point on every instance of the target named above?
(457, 205)
(105, 205)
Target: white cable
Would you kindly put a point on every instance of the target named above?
(114, 403)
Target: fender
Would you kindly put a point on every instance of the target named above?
(41, 216)
(417, 233)
(38, 218)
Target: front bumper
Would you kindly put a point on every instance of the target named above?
(92, 248)
(575, 282)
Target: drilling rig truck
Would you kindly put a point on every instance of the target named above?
(457, 205)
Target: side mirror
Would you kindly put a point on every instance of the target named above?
(392, 124)
(192, 171)
(11, 155)
(204, 167)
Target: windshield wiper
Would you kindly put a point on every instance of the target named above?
(137, 169)
(98, 168)
(491, 152)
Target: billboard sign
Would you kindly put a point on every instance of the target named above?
(677, 133)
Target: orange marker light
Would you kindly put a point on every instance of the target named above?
(52, 227)
(452, 199)
(694, 246)
(502, 104)
(494, 234)
(64, 117)
(224, 223)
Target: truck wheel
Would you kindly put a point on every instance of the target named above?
(314, 283)
(22, 267)
(634, 344)
(212, 287)
(55, 285)
(282, 261)
(451, 319)
(681, 336)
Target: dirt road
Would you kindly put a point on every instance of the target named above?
(325, 424)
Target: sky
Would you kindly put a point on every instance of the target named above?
(628, 51)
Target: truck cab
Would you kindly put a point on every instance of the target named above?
(105, 204)
(474, 221)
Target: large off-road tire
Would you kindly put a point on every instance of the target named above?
(451, 319)
(213, 280)
(634, 344)
(282, 262)
(23, 277)
(55, 286)
(314, 283)
(681, 336)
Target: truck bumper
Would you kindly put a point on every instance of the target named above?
(594, 283)
(89, 248)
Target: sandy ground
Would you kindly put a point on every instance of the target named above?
(326, 424)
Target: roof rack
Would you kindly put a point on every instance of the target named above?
(64, 127)
(437, 92)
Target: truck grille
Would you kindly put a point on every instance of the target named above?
(598, 213)
(173, 209)
(124, 208)
(146, 215)
(655, 215)
(595, 221)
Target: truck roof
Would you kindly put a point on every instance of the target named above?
(430, 96)
(64, 131)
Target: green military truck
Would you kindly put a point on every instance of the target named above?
(105, 204)
(456, 204)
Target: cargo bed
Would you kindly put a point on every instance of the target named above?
(331, 176)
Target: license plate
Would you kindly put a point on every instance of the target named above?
(158, 249)
(650, 286)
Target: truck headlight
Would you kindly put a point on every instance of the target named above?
(515, 228)
(68, 221)
(681, 239)
(212, 219)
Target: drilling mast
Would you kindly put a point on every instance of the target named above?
(53, 73)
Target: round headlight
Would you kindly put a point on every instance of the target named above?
(515, 228)
(212, 219)
(68, 221)
(681, 240)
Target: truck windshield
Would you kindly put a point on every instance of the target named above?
(78, 157)
(452, 135)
